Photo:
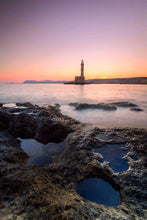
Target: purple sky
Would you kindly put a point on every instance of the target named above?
(46, 39)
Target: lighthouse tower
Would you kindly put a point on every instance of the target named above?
(80, 79)
(82, 68)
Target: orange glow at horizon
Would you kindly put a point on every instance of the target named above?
(68, 70)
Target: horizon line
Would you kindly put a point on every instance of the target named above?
(72, 80)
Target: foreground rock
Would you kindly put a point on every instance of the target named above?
(31, 192)
(43, 124)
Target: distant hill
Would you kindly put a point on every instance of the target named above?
(44, 81)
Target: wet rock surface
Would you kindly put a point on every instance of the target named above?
(106, 106)
(45, 124)
(124, 104)
(5, 119)
(136, 109)
(32, 192)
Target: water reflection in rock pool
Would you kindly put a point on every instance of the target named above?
(42, 154)
(99, 191)
(114, 153)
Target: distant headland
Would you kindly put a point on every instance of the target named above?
(44, 81)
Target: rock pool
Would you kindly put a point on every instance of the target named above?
(114, 153)
(42, 154)
(99, 191)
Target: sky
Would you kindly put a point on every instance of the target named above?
(47, 39)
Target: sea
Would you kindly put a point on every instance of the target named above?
(63, 94)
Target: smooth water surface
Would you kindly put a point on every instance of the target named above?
(42, 154)
(99, 191)
(113, 153)
(94, 93)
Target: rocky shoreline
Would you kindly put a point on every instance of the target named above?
(32, 192)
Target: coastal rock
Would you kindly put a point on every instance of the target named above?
(43, 124)
(124, 104)
(5, 119)
(84, 164)
(136, 109)
(23, 125)
(25, 104)
(51, 131)
(103, 106)
(52, 188)
(32, 192)
(74, 104)
(44, 113)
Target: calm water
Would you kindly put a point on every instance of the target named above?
(64, 94)
(43, 154)
(113, 153)
(99, 191)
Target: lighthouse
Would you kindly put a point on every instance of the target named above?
(80, 79)
(82, 68)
